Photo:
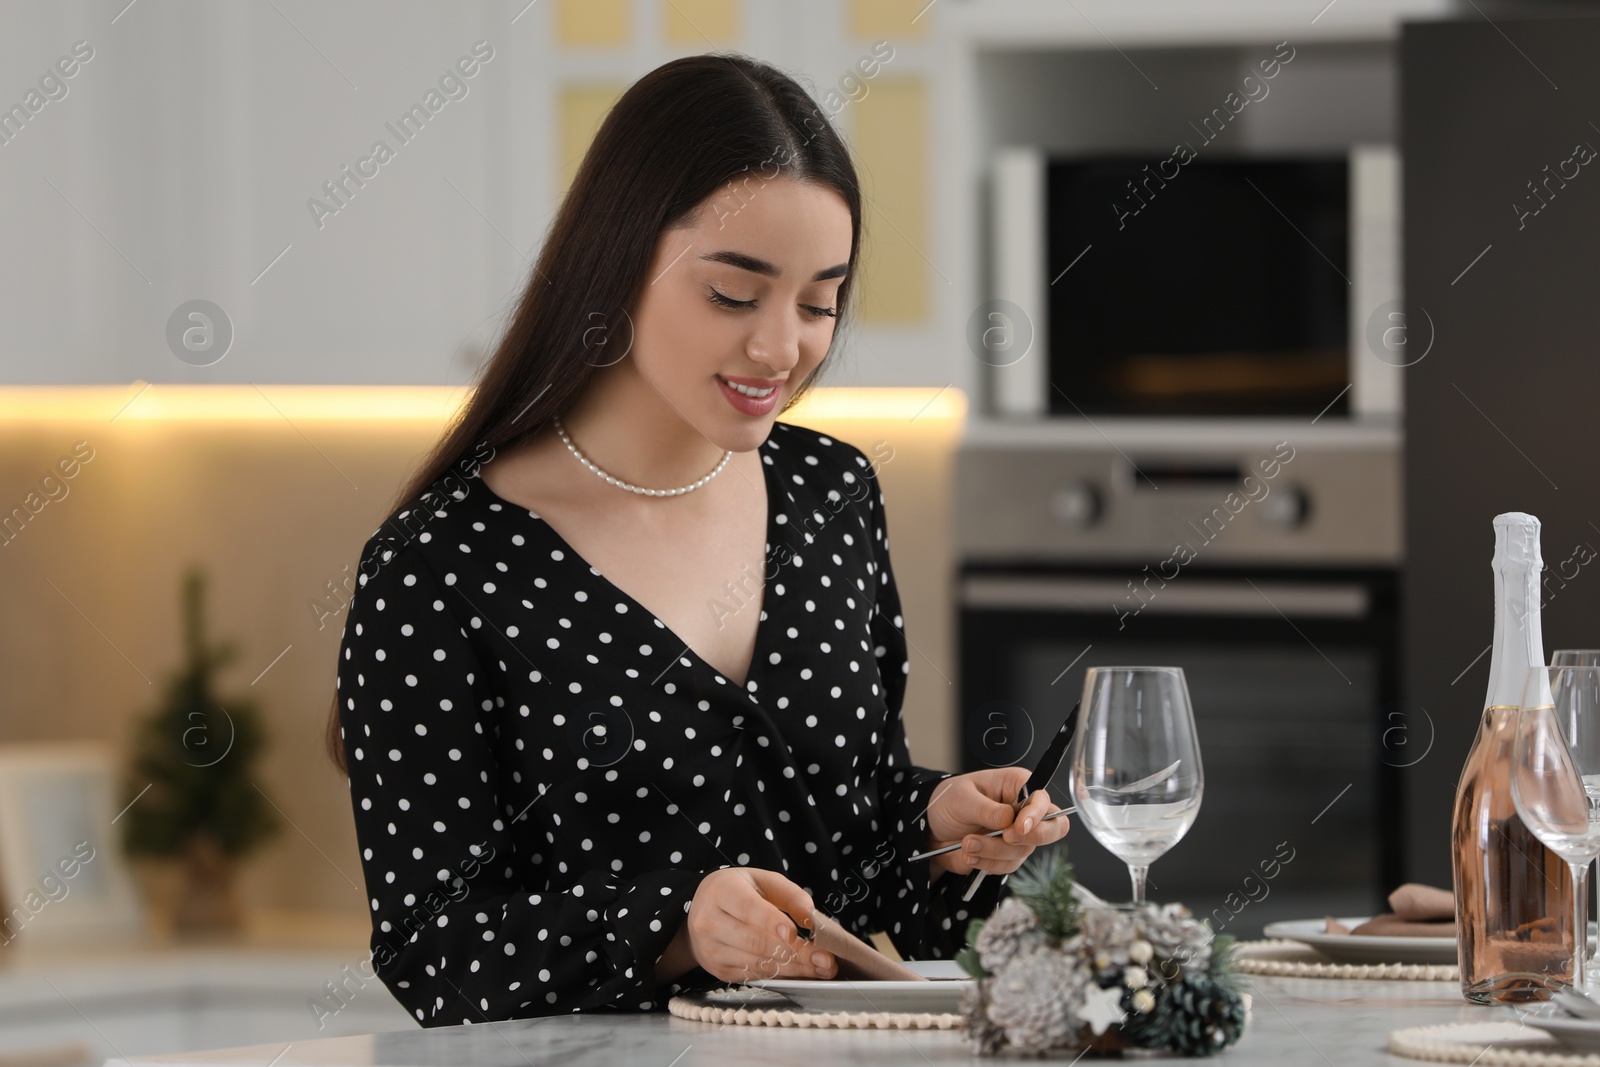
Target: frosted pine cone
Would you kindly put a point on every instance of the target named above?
(1104, 937)
(1009, 932)
(986, 1037)
(1032, 999)
(1176, 935)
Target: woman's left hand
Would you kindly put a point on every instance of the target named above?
(968, 806)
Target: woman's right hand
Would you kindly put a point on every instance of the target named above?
(741, 927)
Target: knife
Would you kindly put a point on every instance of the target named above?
(1045, 770)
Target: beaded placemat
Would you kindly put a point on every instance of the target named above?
(760, 1007)
(1291, 959)
(1504, 1044)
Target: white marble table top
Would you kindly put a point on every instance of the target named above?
(1304, 1021)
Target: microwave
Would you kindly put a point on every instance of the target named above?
(1170, 285)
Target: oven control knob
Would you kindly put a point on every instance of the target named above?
(1287, 508)
(1078, 504)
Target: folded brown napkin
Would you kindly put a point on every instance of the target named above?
(857, 960)
(1419, 911)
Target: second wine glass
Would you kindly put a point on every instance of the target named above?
(1555, 777)
(1136, 772)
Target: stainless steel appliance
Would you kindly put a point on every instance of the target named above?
(1261, 558)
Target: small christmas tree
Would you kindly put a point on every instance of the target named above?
(190, 785)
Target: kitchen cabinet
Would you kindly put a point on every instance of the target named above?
(1501, 211)
(225, 153)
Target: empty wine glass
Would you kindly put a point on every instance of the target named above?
(1579, 657)
(1136, 772)
(1555, 778)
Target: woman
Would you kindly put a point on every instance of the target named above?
(620, 687)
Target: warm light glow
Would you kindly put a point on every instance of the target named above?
(141, 402)
(884, 404)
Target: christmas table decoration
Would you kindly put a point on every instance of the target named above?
(1055, 973)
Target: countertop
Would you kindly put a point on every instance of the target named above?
(67, 1000)
(1294, 1020)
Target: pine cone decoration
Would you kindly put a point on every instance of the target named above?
(1030, 1000)
(1051, 975)
(1105, 935)
(1176, 935)
(1149, 1029)
(1010, 931)
(987, 1038)
(1207, 1015)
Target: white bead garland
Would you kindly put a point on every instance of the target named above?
(620, 484)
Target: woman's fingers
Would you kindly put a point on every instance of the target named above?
(796, 907)
(745, 930)
(784, 894)
(738, 934)
(749, 952)
(996, 855)
(1031, 818)
(984, 810)
(1030, 829)
(976, 802)
(747, 956)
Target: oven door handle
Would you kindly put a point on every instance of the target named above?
(1188, 596)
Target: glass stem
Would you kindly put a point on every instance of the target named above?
(1580, 926)
(1137, 875)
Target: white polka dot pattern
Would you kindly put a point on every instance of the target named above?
(501, 698)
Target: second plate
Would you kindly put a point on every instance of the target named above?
(1363, 948)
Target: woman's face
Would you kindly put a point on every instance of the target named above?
(744, 297)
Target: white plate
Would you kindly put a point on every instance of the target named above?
(1580, 1035)
(942, 994)
(1364, 948)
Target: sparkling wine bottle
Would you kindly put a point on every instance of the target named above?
(1513, 895)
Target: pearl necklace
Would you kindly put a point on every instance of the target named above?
(620, 484)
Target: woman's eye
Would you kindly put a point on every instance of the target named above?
(722, 300)
(728, 301)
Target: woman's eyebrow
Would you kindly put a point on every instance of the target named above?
(770, 270)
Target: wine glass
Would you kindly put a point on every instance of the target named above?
(1136, 773)
(1578, 657)
(1555, 778)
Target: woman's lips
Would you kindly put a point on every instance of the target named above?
(743, 402)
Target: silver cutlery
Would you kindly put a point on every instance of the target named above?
(992, 833)
(1048, 763)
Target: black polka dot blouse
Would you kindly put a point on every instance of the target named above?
(542, 772)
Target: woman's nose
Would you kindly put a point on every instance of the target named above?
(775, 343)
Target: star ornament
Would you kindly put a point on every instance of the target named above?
(1101, 1008)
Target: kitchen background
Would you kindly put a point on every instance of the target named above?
(225, 347)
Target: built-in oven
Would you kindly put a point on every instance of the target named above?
(1261, 560)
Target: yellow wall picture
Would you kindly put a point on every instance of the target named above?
(583, 108)
(700, 22)
(889, 139)
(593, 23)
(895, 19)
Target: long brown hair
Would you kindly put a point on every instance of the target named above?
(677, 136)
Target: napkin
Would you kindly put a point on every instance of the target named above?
(857, 960)
(1418, 911)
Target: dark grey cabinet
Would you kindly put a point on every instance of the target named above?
(1502, 269)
